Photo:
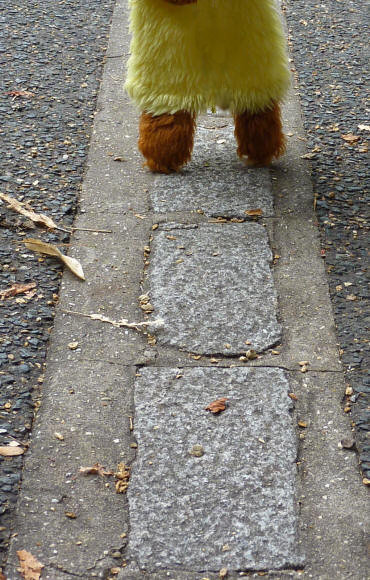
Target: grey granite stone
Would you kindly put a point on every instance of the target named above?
(233, 506)
(215, 180)
(213, 288)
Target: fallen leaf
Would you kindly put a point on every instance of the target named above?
(351, 297)
(351, 138)
(16, 94)
(217, 406)
(16, 289)
(95, 469)
(31, 568)
(73, 345)
(308, 156)
(364, 127)
(366, 481)
(10, 450)
(302, 424)
(293, 396)
(253, 212)
(25, 210)
(223, 573)
(70, 515)
(51, 250)
(122, 475)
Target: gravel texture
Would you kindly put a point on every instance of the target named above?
(329, 48)
(51, 56)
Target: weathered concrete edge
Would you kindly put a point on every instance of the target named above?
(94, 562)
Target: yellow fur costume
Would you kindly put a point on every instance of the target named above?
(226, 53)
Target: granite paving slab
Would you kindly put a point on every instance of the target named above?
(215, 180)
(211, 491)
(212, 285)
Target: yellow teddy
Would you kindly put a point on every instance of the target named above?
(188, 56)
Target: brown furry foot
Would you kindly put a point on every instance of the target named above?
(166, 141)
(259, 136)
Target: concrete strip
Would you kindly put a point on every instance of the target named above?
(334, 507)
(71, 522)
(232, 506)
(212, 286)
(215, 181)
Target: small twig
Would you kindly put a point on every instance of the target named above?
(139, 326)
(73, 229)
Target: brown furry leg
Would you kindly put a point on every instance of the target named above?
(259, 136)
(166, 141)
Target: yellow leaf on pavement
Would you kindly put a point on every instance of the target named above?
(51, 250)
(25, 210)
(10, 450)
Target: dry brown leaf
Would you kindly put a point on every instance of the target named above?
(10, 450)
(293, 396)
(70, 515)
(51, 250)
(16, 289)
(302, 424)
(122, 476)
(351, 138)
(254, 212)
(223, 573)
(25, 210)
(217, 406)
(31, 568)
(96, 469)
(20, 94)
(2, 577)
